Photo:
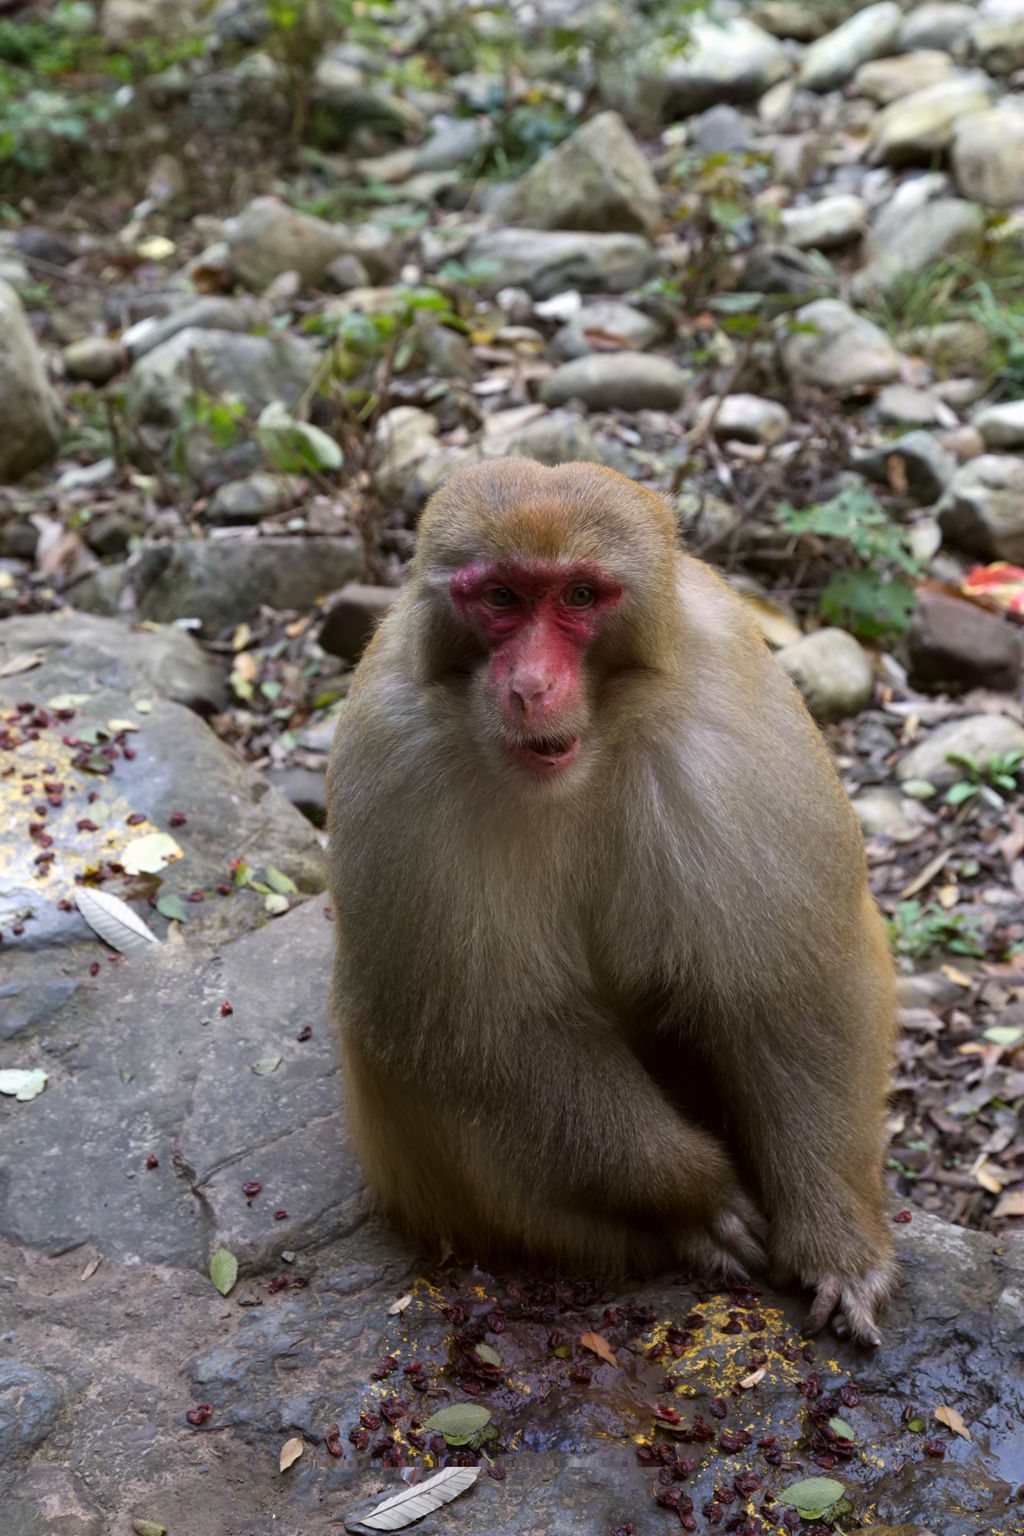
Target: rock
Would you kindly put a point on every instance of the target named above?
(30, 1405)
(124, 21)
(845, 352)
(832, 672)
(936, 24)
(402, 438)
(913, 130)
(796, 157)
(784, 269)
(305, 788)
(963, 443)
(997, 41)
(225, 581)
(951, 645)
(48, 1499)
(610, 317)
(346, 272)
(748, 418)
(981, 509)
(453, 142)
(886, 80)
(598, 179)
(545, 262)
(977, 736)
(256, 369)
(732, 62)
(829, 222)
(832, 60)
(946, 227)
(351, 617)
(902, 405)
(29, 409)
(721, 130)
(988, 157)
(254, 497)
(1001, 426)
(881, 813)
(212, 313)
(110, 533)
(626, 381)
(559, 437)
(43, 244)
(268, 237)
(956, 346)
(94, 358)
(927, 466)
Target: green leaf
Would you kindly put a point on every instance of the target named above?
(918, 789)
(867, 603)
(842, 1429)
(144, 706)
(223, 1270)
(276, 903)
(294, 446)
(916, 1425)
(813, 1497)
(460, 1422)
(147, 855)
(270, 689)
(279, 881)
(958, 793)
(171, 906)
(1003, 1034)
(487, 1354)
(243, 874)
(241, 686)
(148, 1528)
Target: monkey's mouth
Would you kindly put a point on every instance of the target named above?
(545, 755)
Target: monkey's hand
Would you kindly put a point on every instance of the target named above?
(733, 1244)
(850, 1302)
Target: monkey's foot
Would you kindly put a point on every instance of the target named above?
(732, 1246)
(851, 1305)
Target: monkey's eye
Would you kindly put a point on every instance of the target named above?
(579, 597)
(500, 597)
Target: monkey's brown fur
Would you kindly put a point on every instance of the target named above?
(592, 1021)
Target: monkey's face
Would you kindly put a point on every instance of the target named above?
(536, 620)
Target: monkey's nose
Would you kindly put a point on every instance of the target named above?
(530, 693)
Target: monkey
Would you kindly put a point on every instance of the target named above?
(613, 993)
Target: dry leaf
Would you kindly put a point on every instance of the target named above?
(953, 1421)
(22, 661)
(989, 1175)
(599, 1346)
(290, 1452)
(754, 1377)
(413, 1503)
(398, 1307)
(114, 921)
(1010, 1204)
(958, 978)
(91, 1268)
(116, 726)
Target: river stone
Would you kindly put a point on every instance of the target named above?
(981, 510)
(213, 312)
(546, 262)
(951, 644)
(734, 61)
(558, 437)
(882, 812)
(828, 222)
(352, 615)
(948, 226)
(886, 80)
(256, 369)
(913, 130)
(613, 317)
(1001, 426)
(94, 358)
(997, 41)
(845, 351)
(625, 381)
(453, 142)
(30, 1403)
(988, 158)
(832, 60)
(927, 465)
(903, 405)
(955, 346)
(29, 410)
(936, 24)
(977, 736)
(402, 438)
(597, 179)
(748, 418)
(253, 497)
(832, 671)
(268, 238)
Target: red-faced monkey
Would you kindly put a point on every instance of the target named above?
(612, 990)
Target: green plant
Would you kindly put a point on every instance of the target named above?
(916, 930)
(873, 593)
(989, 781)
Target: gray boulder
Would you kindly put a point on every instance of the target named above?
(832, 671)
(845, 351)
(977, 736)
(949, 226)
(988, 157)
(982, 508)
(609, 317)
(268, 238)
(1001, 426)
(833, 59)
(626, 381)
(255, 369)
(545, 262)
(734, 61)
(29, 410)
(916, 128)
(936, 24)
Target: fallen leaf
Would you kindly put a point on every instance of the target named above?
(171, 906)
(290, 1452)
(143, 706)
(598, 1346)
(398, 1307)
(813, 1496)
(68, 700)
(115, 726)
(754, 1377)
(958, 978)
(1010, 1204)
(953, 1421)
(148, 855)
(114, 921)
(91, 1268)
(990, 1176)
(148, 1528)
(223, 1270)
(279, 881)
(842, 1429)
(266, 1065)
(459, 1422)
(21, 661)
(275, 903)
(488, 1355)
(413, 1503)
(23, 1083)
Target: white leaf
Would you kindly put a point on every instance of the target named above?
(413, 1503)
(114, 921)
(22, 1083)
(147, 855)
(398, 1307)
